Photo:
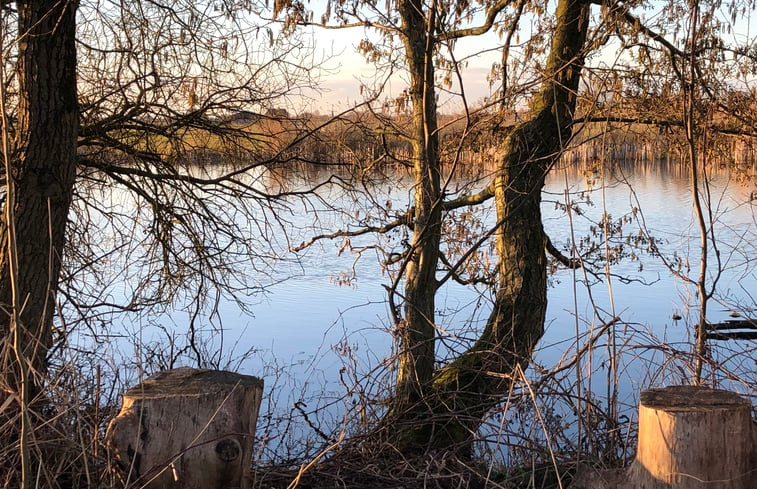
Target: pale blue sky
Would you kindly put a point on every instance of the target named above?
(340, 81)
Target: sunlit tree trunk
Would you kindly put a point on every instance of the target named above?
(464, 390)
(694, 137)
(42, 175)
(417, 331)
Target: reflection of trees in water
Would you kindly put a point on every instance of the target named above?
(639, 149)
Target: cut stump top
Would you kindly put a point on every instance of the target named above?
(190, 381)
(691, 398)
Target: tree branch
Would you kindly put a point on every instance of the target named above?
(491, 15)
(465, 200)
(663, 122)
(401, 221)
(571, 263)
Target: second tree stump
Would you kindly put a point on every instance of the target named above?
(693, 438)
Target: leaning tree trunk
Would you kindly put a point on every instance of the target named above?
(464, 390)
(42, 177)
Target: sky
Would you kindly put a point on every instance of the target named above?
(346, 69)
(343, 73)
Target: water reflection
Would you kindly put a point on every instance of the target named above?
(323, 342)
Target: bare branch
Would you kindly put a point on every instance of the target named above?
(571, 263)
(402, 221)
(491, 16)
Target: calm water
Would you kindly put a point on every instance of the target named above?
(311, 311)
(318, 342)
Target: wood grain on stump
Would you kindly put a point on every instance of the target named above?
(187, 428)
(694, 438)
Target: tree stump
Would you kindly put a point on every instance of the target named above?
(187, 428)
(693, 438)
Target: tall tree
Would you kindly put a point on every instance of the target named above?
(40, 182)
(161, 86)
(39, 173)
(440, 407)
(155, 104)
(417, 330)
(462, 391)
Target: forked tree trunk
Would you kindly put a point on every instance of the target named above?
(187, 428)
(464, 390)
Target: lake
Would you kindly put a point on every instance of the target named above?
(321, 338)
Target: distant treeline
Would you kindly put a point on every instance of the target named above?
(618, 147)
(368, 142)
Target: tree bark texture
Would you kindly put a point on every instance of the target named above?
(43, 173)
(187, 428)
(417, 331)
(464, 390)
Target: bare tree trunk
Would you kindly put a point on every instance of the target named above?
(417, 331)
(464, 390)
(693, 137)
(43, 173)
